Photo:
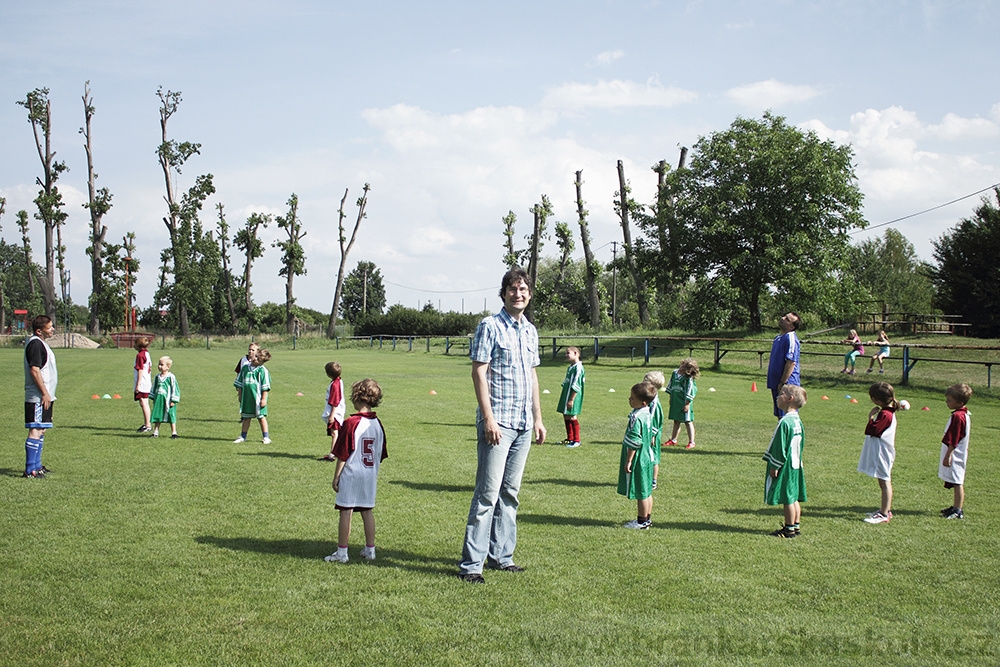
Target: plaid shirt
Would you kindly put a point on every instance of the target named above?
(511, 350)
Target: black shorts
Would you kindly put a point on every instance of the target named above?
(36, 415)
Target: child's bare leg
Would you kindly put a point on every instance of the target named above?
(173, 428)
(872, 364)
(793, 513)
(646, 506)
(144, 404)
(333, 441)
(156, 428)
(245, 425)
(656, 473)
(368, 518)
(690, 430)
(344, 529)
(959, 495)
(886, 486)
(263, 425)
(677, 428)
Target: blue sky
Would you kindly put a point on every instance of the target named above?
(457, 112)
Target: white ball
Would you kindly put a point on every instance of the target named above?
(904, 404)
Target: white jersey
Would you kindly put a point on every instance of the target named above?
(47, 367)
(956, 434)
(361, 446)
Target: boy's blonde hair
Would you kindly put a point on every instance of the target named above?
(796, 395)
(644, 391)
(574, 348)
(655, 378)
(262, 357)
(333, 370)
(141, 343)
(961, 392)
(367, 392)
(689, 368)
(166, 360)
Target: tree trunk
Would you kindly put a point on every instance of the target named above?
(289, 300)
(533, 262)
(331, 330)
(588, 256)
(640, 284)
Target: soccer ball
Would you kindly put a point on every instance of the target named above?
(904, 404)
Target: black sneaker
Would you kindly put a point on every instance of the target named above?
(787, 534)
(37, 474)
(947, 510)
(955, 514)
(471, 577)
(142, 429)
(46, 470)
(174, 436)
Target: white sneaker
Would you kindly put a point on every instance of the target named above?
(266, 441)
(635, 524)
(878, 517)
(239, 440)
(368, 553)
(336, 557)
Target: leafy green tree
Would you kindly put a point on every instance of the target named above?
(17, 273)
(967, 274)
(511, 257)
(889, 269)
(108, 301)
(186, 233)
(293, 256)
(98, 204)
(49, 201)
(364, 292)
(770, 203)
(248, 240)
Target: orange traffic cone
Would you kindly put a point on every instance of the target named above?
(753, 387)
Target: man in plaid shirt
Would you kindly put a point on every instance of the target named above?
(504, 353)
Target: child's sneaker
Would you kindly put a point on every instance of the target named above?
(690, 445)
(572, 445)
(670, 443)
(368, 553)
(956, 513)
(787, 533)
(266, 441)
(868, 371)
(337, 557)
(881, 371)
(654, 485)
(239, 440)
(878, 517)
(635, 524)
(947, 510)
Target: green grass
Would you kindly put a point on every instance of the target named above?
(201, 552)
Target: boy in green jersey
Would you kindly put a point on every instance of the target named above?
(571, 398)
(785, 483)
(635, 474)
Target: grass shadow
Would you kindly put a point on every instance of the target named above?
(11, 472)
(277, 455)
(704, 526)
(427, 486)
(553, 519)
(680, 450)
(568, 482)
(465, 425)
(318, 549)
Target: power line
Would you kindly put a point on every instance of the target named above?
(440, 291)
(934, 208)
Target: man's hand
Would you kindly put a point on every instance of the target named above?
(491, 430)
(539, 433)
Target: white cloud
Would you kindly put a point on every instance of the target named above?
(608, 57)
(615, 94)
(770, 94)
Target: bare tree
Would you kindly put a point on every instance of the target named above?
(293, 258)
(248, 241)
(331, 330)
(227, 275)
(588, 255)
(98, 203)
(49, 200)
(625, 206)
(3, 306)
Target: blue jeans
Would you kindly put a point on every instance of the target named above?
(491, 530)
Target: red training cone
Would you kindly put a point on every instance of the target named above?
(854, 400)
(96, 397)
(433, 393)
(753, 387)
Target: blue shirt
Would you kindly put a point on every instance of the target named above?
(785, 347)
(510, 348)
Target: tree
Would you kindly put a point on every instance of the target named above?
(625, 207)
(540, 213)
(889, 269)
(293, 256)
(770, 203)
(98, 203)
(345, 248)
(592, 267)
(16, 276)
(3, 304)
(512, 257)
(32, 273)
(249, 242)
(182, 216)
(227, 277)
(967, 275)
(364, 292)
(49, 201)
(108, 302)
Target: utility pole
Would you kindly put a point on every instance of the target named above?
(614, 282)
(364, 293)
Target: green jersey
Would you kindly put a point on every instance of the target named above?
(637, 484)
(253, 381)
(785, 455)
(574, 382)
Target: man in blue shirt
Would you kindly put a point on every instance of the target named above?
(504, 353)
(783, 365)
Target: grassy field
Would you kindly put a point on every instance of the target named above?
(200, 552)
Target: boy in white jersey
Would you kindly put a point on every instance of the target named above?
(360, 449)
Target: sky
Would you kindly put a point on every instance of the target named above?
(458, 112)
